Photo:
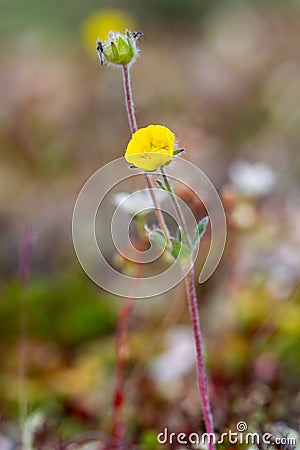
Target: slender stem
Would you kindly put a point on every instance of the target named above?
(193, 309)
(133, 129)
(189, 279)
(118, 428)
(158, 212)
(121, 349)
(24, 264)
(177, 207)
(201, 371)
(22, 372)
(128, 100)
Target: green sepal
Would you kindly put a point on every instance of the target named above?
(122, 45)
(114, 50)
(180, 150)
(130, 47)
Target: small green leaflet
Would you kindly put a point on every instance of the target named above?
(158, 237)
(166, 186)
(179, 250)
(161, 185)
(200, 230)
(179, 235)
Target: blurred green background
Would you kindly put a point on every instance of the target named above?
(224, 76)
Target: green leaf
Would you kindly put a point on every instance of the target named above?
(179, 235)
(179, 250)
(200, 230)
(158, 237)
(161, 185)
(167, 184)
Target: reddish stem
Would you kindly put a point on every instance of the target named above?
(158, 212)
(121, 350)
(133, 129)
(25, 253)
(201, 371)
(24, 264)
(118, 429)
(189, 280)
(128, 100)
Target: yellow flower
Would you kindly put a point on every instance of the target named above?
(151, 147)
(101, 22)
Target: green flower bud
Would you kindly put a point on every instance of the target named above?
(120, 49)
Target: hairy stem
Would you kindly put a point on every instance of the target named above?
(158, 212)
(177, 208)
(128, 100)
(189, 279)
(201, 371)
(121, 350)
(118, 427)
(24, 264)
(133, 129)
(193, 309)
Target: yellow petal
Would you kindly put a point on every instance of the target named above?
(151, 147)
(148, 162)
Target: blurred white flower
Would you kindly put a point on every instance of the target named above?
(280, 430)
(253, 180)
(32, 424)
(178, 358)
(139, 201)
(243, 215)
(283, 264)
(5, 443)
